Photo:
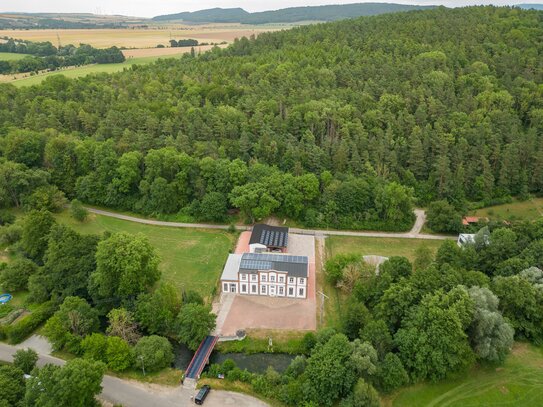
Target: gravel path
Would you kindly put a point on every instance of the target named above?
(414, 233)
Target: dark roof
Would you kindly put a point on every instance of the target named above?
(295, 266)
(270, 236)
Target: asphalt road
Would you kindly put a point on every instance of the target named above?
(135, 394)
(414, 233)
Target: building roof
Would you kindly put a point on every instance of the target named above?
(468, 220)
(295, 266)
(231, 268)
(269, 236)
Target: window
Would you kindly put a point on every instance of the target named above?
(281, 291)
(302, 280)
(281, 279)
(243, 277)
(232, 288)
(272, 279)
(254, 289)
(263, 289)
(263, 278)
(291, 280)
(244, 288)
(290, 291)
(301, 292)
(254, 277)
(225, 287)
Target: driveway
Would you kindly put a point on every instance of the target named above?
(136, 394)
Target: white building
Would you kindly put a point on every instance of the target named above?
(274, 275)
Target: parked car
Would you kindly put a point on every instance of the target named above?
(202, 394)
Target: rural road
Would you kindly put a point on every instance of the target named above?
(414, 233)
(136, 394)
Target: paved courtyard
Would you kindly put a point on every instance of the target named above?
(263, 312)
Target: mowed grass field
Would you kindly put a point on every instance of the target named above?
(142, 38)
(379, 246)
(531, 209)
(189, 258)
(80, 71)
(518, 383)
(10, 56)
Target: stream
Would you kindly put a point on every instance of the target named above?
(255, 363)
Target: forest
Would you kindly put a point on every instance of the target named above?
(44, 55)
(344, 125)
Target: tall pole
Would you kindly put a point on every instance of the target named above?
(142, 364)
(323, 297)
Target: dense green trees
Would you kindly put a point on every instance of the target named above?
(153, 352)
(194, 323)
(25, 359)
(126, 265)
(288, 105)
(75, 384)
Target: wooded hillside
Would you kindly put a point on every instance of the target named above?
(336, 124)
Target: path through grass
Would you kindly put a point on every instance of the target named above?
(190, 258)
(519, 382)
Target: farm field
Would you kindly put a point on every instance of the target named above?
(11, 56)
(139, 37)
(518, 382)
(165, 52)
(518, 210)
(80, 71)
(379, 246)
(190, 258)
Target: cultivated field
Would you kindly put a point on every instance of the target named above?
(190, 258)
(518, 382)
(9, 56)
(379, 246)
(165, 52)
(519, 210)
(139, 37)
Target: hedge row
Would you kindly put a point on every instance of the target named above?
(18, 332)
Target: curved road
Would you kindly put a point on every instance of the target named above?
(414, 233)
(136, 394)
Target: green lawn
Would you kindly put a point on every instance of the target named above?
(518, 210)
(10, 56)
(380, 246)
(519, 382)
(85, 70)
(190, 258)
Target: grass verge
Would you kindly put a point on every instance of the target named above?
(238, 387)
(257, 342)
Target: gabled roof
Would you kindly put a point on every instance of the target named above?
(295, 266)
(269, 236)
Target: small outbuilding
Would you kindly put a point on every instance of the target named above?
(266, 238)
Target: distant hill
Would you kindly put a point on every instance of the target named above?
(530, 6)
(64, 21)
(288, 15)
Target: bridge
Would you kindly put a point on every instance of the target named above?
(199, 360)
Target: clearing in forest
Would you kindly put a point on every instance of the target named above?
(529, 210)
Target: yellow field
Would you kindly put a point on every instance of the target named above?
(141, 38)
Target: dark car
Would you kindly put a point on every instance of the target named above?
(202, 394)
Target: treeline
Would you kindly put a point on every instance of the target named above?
(183, 43)
(166, 181)
(389, 99)
(45, 56)
(429, 320)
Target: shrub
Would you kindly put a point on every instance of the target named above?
(78, 211)
(15, 276)
(118, 354)
(155, 351)
(18, 332)
(25, 359)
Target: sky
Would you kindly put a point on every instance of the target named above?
(150, 8)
